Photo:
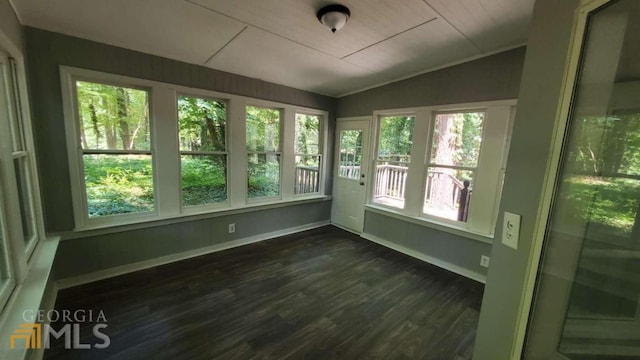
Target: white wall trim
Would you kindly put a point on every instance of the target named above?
(427, 258)
(163, 260)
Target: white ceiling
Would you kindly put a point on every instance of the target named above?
(282, 41)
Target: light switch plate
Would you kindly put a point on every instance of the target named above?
(511, 230)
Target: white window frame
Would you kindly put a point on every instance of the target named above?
(488, 174)
(17, 253)
(194, 93)
(322, 117)
(166, 150)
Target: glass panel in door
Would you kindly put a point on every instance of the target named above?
(350, 154)
(587, 301)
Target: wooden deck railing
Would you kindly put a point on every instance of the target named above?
(307, 180)
(442, 188)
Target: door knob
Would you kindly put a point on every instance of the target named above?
(361, 182)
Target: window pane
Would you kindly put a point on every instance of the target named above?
(263, 129)
(202, 124)
(307, 135)
(350, 154)
(23, 178)
(113, 117)
(118, 184)
(396, 138)
(391, 178)
(448, 193)
(394, 154)
(457, 138)
(204, 179)
(307, 174)
(264, 175)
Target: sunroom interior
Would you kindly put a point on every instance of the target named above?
(474, 137)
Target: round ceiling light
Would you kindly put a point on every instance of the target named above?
(334, 16)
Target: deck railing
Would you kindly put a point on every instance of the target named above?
(442, 188)
(349, 171)
(307, 180)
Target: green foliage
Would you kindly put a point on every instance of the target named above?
(610, 203)
(118, 184)
(457, 138)
(264, 176)
(113, 117)
(307, 135)
(203, 180)
(396, 138)
(263, 129)
(350, 147)
(202, 124)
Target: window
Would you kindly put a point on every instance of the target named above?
(263, 152)
(115, 136)
(203, 150)
(444, 164)
(141, 150)
(307, 153)
(395, 138)
(350, 154)
(455, 148)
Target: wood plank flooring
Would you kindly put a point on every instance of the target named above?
(319, 294)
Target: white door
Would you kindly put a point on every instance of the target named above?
(350, 173)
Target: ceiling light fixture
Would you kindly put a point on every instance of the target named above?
(334, 16)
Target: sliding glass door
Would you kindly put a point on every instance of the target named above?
(587, 299)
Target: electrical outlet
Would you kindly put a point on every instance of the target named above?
(511, 230)
(484, 261)
(232, 228)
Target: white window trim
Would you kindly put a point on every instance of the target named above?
(166, 158)
(480, 224)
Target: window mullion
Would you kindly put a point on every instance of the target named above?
(236, 138)
(166, 151)
(415, 174)
(288, 160)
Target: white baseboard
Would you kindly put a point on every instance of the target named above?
(426, 258)
(142, 265)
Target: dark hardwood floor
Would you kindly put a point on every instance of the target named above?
(320, 294)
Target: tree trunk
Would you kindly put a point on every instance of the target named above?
(123, 114)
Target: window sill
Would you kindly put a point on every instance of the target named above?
(102, 229)
(30, 295)
(442, 226)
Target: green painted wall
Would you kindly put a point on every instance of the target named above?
(10, 26)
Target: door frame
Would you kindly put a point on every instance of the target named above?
(366, 153)
(569, 80)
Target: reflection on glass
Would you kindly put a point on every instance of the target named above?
(264, 175)
(588, 291)
(350, 154)
(118, 184)
(448, 193)
(204, 179)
